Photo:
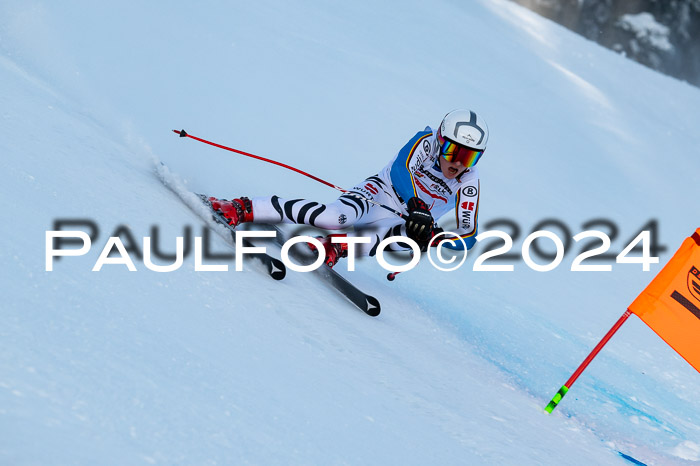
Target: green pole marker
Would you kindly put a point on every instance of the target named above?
(557, 398)
(565, 388)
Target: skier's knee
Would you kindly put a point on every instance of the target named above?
(333, 219)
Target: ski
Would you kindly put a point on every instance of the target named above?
(368, 304)
(275, 268)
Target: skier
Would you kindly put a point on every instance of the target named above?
(432, 174)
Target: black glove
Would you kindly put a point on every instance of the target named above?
(423, 244)
(419, 225)
(436, 231)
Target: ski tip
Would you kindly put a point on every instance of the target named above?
(631, 459)
(373, 307)
(277, 270)
(182, 133)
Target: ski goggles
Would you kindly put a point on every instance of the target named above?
(453, 152)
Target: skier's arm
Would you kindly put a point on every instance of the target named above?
(409, 158)
(467, 213)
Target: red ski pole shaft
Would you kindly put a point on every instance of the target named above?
(184, 134)
(392, 275)
(565, 388)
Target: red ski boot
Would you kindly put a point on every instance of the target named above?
(334, 251)
(236, 211)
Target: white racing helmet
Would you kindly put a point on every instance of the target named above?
(462, 136)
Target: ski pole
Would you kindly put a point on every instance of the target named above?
(184, 134)
(565, 388)
(392, 275)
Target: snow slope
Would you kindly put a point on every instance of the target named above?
(118, 367)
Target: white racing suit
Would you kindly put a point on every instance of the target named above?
(414, 171)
